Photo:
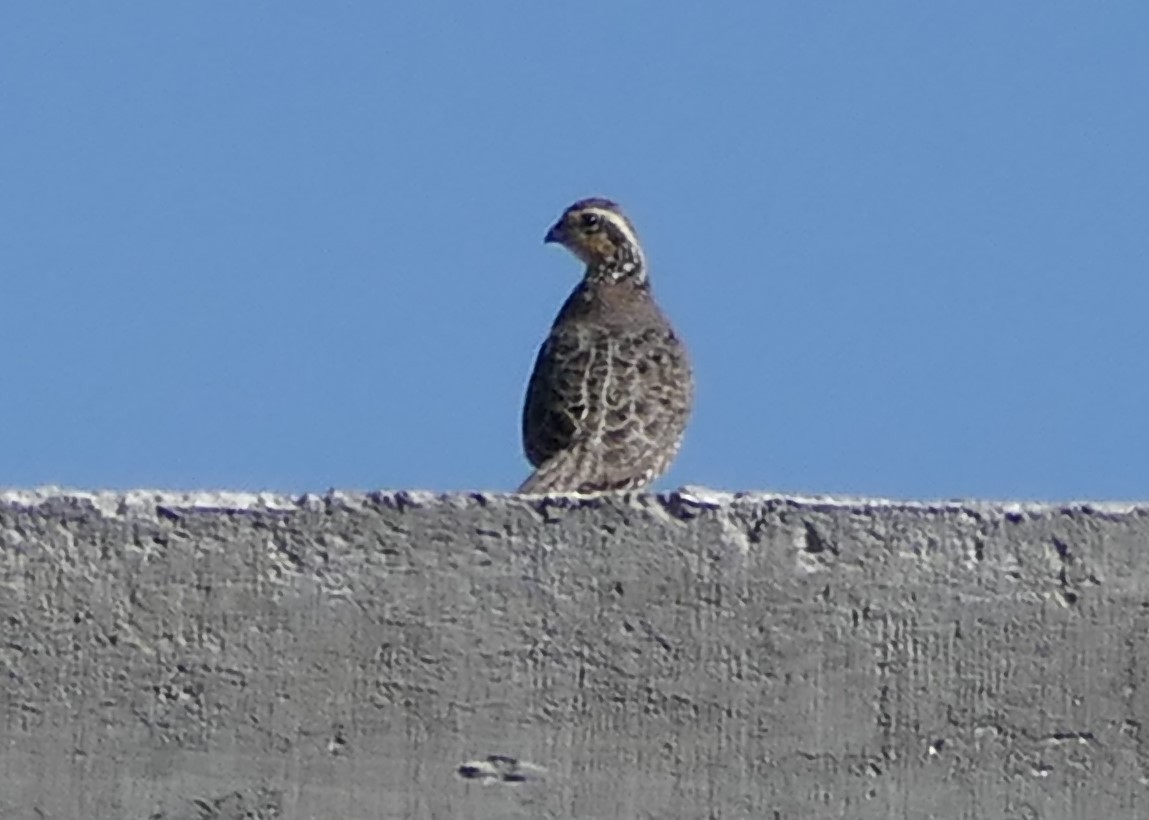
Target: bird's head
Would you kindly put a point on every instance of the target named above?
(597, 232)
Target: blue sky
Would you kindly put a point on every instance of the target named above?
(292, 246)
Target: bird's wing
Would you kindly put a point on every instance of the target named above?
(556, 402)
(605, 411)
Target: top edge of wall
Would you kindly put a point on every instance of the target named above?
(148, 502)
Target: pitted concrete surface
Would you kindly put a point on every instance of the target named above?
(695, 655)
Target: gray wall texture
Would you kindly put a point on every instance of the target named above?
(692, 655)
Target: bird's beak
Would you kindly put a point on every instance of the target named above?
(555, 234)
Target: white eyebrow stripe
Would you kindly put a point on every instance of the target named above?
(624, 227)
(618, 222)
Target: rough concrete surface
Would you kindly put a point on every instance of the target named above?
(693, 655)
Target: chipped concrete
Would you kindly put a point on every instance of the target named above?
(699, 654)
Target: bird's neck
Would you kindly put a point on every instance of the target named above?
(626, 264)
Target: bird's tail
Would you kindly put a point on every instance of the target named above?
(564, 473)
(577, 470)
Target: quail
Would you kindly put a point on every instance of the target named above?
(612, 388)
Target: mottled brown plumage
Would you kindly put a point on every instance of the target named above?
(611, 392)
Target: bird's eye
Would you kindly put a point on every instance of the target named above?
(591, 220)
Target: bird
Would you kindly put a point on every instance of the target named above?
(612, 388)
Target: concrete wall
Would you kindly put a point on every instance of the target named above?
(485, 656)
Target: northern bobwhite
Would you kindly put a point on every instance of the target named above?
(611, 391)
